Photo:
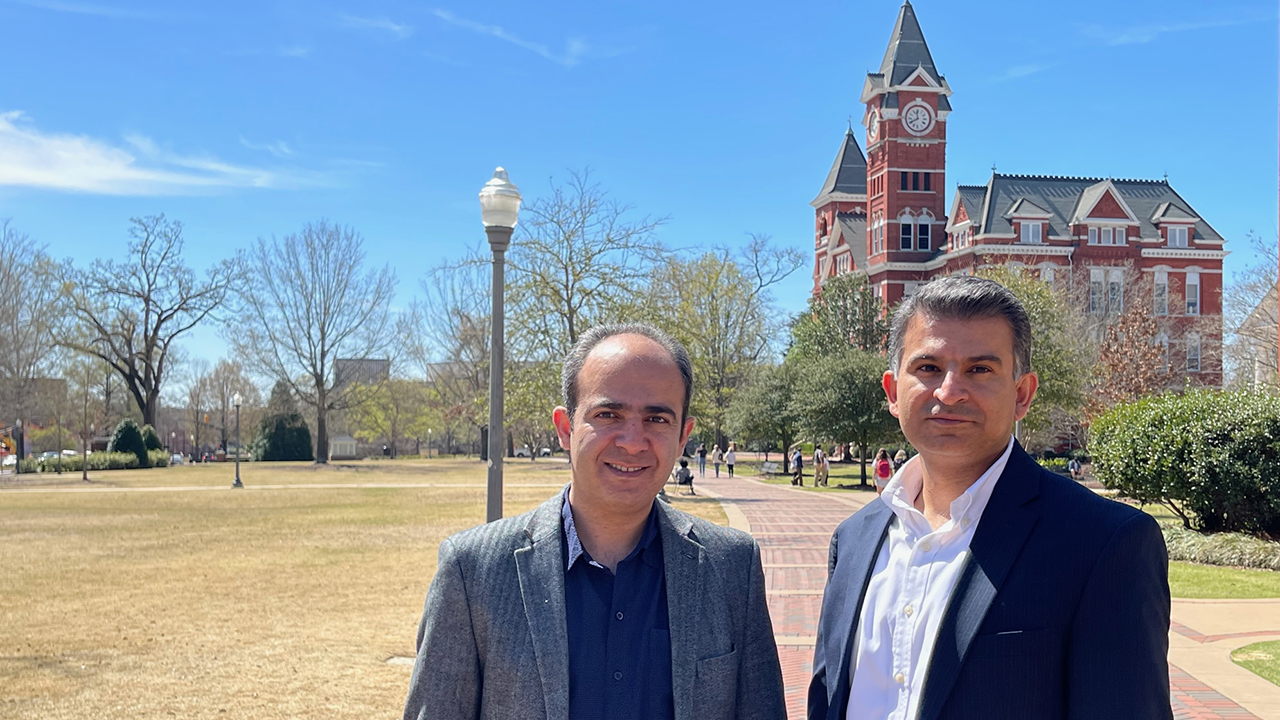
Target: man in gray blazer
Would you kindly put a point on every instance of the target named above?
(603, 602)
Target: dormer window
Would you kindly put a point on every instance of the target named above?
(1177, 236)
(1107, 235)
(1031, 232)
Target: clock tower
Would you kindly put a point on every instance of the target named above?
(906, 120)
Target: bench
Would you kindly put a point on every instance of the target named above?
(769, 468)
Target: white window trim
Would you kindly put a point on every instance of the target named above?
(1193, 279)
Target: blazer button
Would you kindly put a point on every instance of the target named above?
(617, 675)
(899, 678)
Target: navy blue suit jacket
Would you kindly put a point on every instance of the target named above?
(1061, 610)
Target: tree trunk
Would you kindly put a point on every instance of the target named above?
(862, 458)
(322, 433)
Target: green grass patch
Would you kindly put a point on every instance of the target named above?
(1190, 580)
(1261, 659)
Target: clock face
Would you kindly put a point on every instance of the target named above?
(917, 119)
(873, 125)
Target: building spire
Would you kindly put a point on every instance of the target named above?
(907, 49)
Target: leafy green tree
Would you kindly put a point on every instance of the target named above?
(845, 314)
(1059, 355)
(127, 438)
(840, 398)
(720, 306)
(764, 412)
(151, 438)
(390, 407)
(283, 436)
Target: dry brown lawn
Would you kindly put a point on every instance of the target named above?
(281, 601)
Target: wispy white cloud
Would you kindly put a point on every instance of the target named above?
(30, 157)
(1018, 72)
(79, 8)
(1143, 34)
(277, 148)
(399, 30)
(575, 49)
(294, 51)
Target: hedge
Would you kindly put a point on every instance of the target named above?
(1212, 457)
(128, 438)
(97, 461)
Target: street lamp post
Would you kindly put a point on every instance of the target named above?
(428, 443)
(499, 209)
(18, 448)
(235, 400)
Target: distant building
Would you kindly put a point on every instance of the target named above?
(366, 371)
(884, 214)
(1260, 333)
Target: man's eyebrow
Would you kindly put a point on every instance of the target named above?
(647, 409)
(995, 359)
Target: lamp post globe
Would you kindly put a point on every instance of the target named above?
(235, 400)
(499, 212)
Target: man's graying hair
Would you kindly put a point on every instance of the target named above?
(964, 297)
(587, 342)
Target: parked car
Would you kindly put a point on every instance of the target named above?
(523, 452)
(544, 452)
(176, 459)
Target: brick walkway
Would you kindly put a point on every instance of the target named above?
(794, 529)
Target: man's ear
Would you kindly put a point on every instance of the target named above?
(564, 426)
(688, 430)
(1026, 392)
(890, 384)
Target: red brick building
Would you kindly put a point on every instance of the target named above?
(884, 214)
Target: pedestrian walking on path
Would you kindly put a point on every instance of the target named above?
(731, 457)
(702, 460)
(797, 467)
(821, 469)
(717, 458)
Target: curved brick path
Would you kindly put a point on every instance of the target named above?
(794, 528)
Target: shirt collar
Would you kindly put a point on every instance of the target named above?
(575, 544)
(905, 486)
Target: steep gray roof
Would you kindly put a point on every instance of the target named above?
(1060, 196)
(907, 50)
(971, 196)
(853, 226)
(849, 171)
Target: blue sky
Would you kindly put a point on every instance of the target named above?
(250, 119)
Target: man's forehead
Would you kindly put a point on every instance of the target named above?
(980, 336)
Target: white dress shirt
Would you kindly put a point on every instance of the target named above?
(914, 575)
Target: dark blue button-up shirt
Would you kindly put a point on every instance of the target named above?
(619, 639)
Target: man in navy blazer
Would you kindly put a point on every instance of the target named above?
(980, 585)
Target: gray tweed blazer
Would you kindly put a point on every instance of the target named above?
(493, 638)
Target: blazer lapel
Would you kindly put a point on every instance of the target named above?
(540, 566)
(683, 560)
(856, 558)
(1004, 528)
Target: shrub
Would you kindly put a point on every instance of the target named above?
(158, 458)
(97, 461)
(27, 466)
(128, 438)
(151, 438)
(1231, 549)
(1212, 457)
(1056, 464)
(283, 437)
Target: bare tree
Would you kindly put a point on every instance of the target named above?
(309, 303)
(222, 384)
(1252, 319)
(130, 313)
(577, 260)
(29, 314)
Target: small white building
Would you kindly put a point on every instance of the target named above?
(342, 447)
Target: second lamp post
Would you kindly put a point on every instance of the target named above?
(235, 400)
(499, 208)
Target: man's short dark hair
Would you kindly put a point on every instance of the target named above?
(963, 297)
(587, 342)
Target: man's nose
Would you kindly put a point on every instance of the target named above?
(630, 436)
(952, 389)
